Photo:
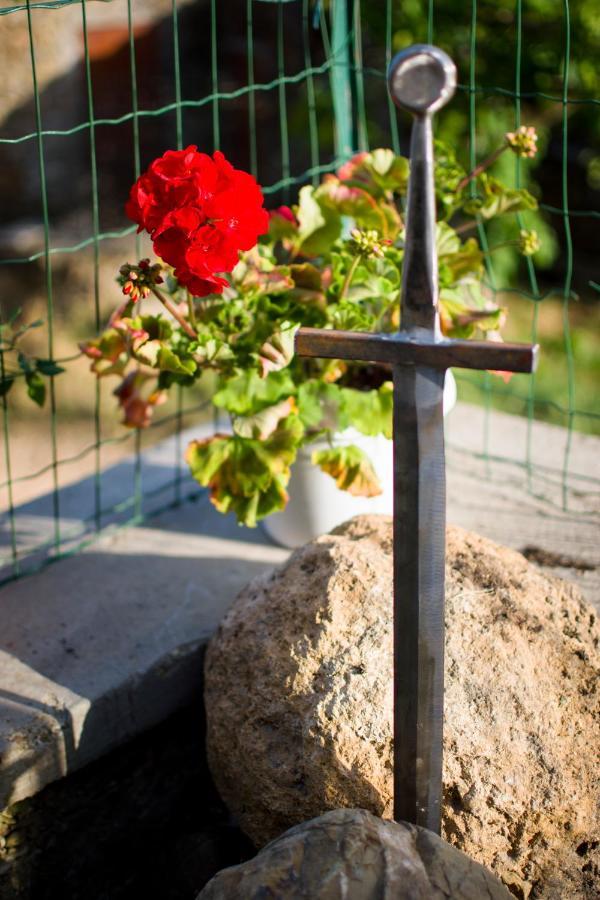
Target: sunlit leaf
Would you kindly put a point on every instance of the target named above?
(318, 227)
(246, 476)
(247, 393)
(318, 405)
(370, 412)
(495, 199)
(278, 351)
(262, 424)
(360, 205)
(350, 468)
(170, 362)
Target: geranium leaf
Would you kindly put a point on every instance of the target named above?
(370, 412)
(378, 171)
(148, 353)
(360, 205)
(247, 393)
(136, 401)
(278, 351)
(464, 308)
(350, 468)
(277, 281)
(246, 476)
(319, 226)
(318, 405)
(495, 199)
(170, 362)
(262, 424)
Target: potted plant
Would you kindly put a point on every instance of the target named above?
(235, 282)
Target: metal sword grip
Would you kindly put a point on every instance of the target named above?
(421, 79)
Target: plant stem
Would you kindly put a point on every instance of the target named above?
(118, 312)
(191, 310)
(466, 226)
(481, 167)
(174, 312)
(503, 244)
(349, 276)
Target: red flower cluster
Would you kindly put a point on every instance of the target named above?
(200, 212)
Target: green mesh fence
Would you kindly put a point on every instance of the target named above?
(287, 89)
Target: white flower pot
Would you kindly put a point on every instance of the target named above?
(316, 505)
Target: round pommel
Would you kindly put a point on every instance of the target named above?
(421, 79)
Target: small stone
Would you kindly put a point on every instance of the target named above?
(349, 854)
(299, 704)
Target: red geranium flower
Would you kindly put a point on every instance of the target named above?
(200, 212)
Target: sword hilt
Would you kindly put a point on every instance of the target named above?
(421, 79)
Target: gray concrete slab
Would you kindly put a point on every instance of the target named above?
(102, 645)
(552, 506)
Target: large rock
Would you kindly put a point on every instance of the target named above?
(349, 854)
(299, 704)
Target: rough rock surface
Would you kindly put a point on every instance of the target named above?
(349, 854)
(299, 705)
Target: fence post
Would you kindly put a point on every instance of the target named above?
(341, 89)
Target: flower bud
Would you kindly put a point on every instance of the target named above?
(523, 141)
(529, 242)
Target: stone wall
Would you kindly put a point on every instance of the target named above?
(144, 821)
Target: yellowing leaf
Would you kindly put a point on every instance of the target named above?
(263, 424)
(351, 469)
(247, 476)
(278, 351)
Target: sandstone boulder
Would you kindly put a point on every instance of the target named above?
(299, 704)
(349, 854)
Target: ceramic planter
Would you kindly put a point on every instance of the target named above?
(316, 505)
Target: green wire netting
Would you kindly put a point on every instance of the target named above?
(288, 89)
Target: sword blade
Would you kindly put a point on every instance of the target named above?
(419, 550)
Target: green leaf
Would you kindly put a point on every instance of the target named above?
(277, 281)
(351, 469)
(318, 405)
(48, 367)
(370, 412)
(248, 393)
(379, 171)
(456, 259)
(36, 387)
(464, 309)
(148, 352)
(108, 352)
(495, 199)
(319, 227)
(245, 476)
(360, 205)
(212, 349)
(278, 351)
(262, 424)
(170, 362)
